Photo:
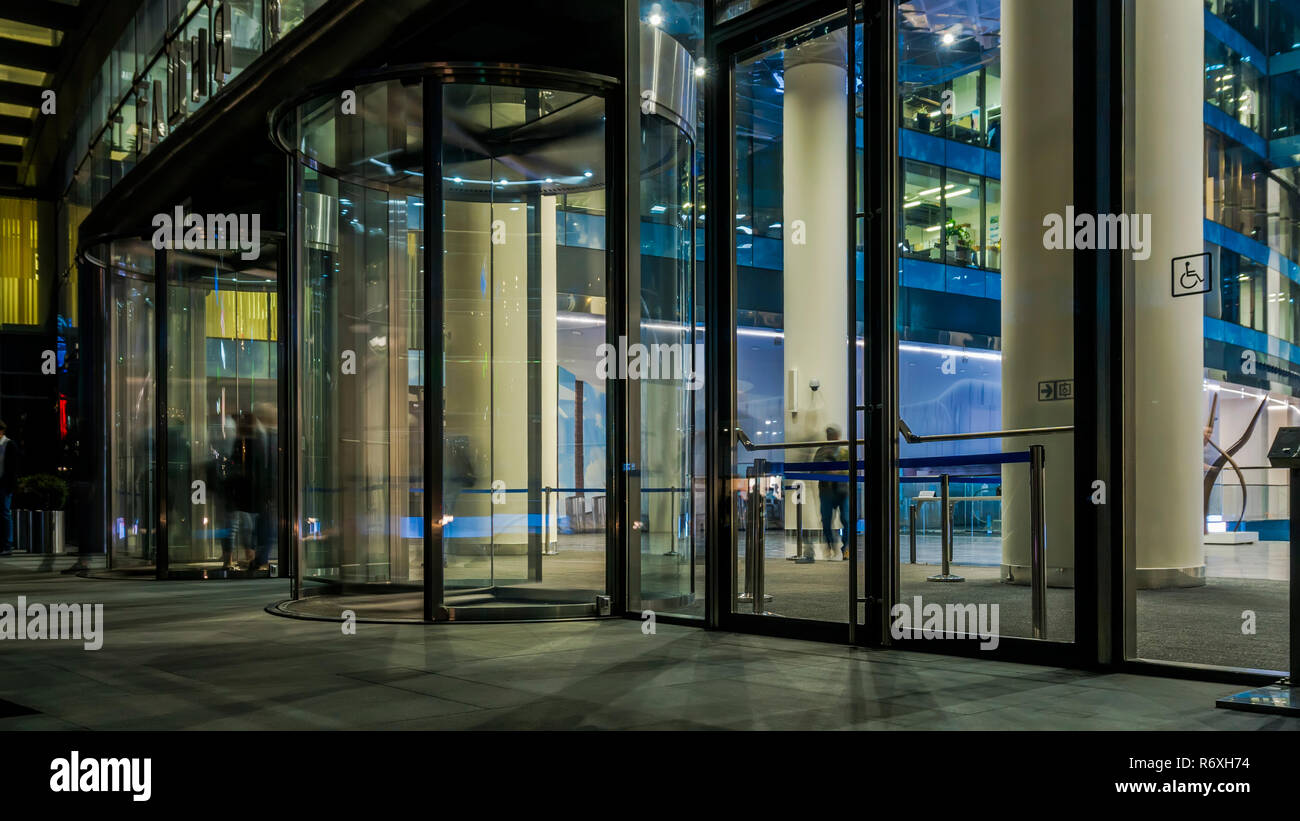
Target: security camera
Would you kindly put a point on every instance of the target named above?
(814, 383)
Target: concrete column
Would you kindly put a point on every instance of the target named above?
(816, 177)
(1037, 283)
(1168, 357)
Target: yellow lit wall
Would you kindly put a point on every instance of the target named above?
(19, 263)
(242, 315)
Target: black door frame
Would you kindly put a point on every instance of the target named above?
(723, 42)
(872, 585)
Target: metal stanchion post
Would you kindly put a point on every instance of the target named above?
(797, 498)
(911, 528)
(751, 483)
(760, 521)
(754, 519)
(945, 535)
(673, 536)
(758, 559)
(549, 547)
(1038, 540)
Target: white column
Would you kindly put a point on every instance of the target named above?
(816, 177)
(1168, 348)
(1037, 283)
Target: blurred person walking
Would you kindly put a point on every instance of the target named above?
(10, 459)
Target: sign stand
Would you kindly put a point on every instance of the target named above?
(1282, 698)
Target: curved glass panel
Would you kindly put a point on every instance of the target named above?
(521, 297)
(671, 568)
(525, 424)
(129, 351)
(361, 217)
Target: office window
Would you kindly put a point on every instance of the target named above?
(1233, 85)
(992, 256)
(923, 109)
(963, 226)
(993, 106)
(1278, 305)
(1246, 16)
(922, 211)
(964, 114)
(1284, 105)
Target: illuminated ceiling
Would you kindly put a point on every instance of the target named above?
(31, 40)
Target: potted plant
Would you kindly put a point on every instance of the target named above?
(41, 498)
(962, 235)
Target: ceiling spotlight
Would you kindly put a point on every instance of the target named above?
(948, 38)
(699, 71)
(656, 19)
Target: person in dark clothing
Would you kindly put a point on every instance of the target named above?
(832, 495)
(9, 463)
(244, 479)
(267, 463)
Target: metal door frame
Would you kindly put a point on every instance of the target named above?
(723, 42)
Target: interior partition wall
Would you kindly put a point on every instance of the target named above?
(460, 354)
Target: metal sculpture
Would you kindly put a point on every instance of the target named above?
(1225, 457)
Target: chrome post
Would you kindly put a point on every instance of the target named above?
(911, 529)
(759, 520)
(945, 534)
(549, 547)
(798, 531)
(1038, 540)
(677, 527)
(751, 482)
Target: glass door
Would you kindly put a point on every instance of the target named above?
(525, 421)
(983, 367)
(793, 486)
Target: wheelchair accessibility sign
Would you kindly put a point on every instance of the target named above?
(1190, 275)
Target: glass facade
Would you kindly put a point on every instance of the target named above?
(494, 388)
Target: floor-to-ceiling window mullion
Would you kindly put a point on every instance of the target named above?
(719, 330)
(433, 351)
(851, 303)
(160, 410)
(289, 288)
(879, 295)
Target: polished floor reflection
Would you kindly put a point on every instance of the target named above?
(227, 665)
